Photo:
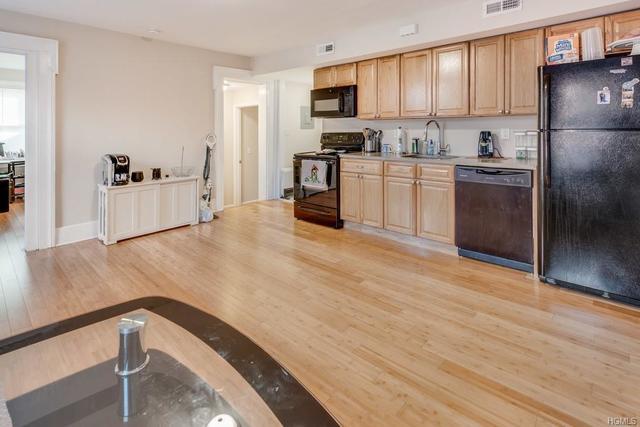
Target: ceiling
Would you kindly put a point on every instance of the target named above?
(246, 27)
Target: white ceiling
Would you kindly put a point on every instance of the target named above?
(247, 27)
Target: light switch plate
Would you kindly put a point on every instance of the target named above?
(504, 133)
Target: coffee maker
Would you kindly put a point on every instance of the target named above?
(115, 169)
(485, 144)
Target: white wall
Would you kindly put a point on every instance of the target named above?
(120, 93)
(294, 95)
(460, 133)
(440, 23)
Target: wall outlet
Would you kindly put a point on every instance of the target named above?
(504, 133)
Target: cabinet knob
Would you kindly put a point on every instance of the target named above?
(508, 112)
(500, 111)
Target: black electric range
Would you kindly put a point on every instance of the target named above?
(322, 205)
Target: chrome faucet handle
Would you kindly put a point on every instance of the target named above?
(132, 353)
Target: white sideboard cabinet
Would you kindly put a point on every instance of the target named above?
(146, 207)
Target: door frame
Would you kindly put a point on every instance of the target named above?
(269, 175)
(40, 135)
(237, 153)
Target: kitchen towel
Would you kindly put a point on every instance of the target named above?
(314, 175)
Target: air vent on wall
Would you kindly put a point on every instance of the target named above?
(498, 7)
(325, 49)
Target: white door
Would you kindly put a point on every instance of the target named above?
(123, 219)
(146, 210)
(249, 159)
(167, 214)
(186, 208)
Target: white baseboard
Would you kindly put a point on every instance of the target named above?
(76, 233)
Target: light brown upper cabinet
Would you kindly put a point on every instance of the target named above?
(524, 54)
(346, 74)
(416, 84)
(618, 26)
(379, 88)
(451, 80)
(368, 89)
(339, 75)
(487, 76)
(389, 87)
(575, 26)
(323, 77)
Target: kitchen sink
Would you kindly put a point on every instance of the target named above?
(171, 393)
(426, 156)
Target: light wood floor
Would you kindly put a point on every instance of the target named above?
(383, 334)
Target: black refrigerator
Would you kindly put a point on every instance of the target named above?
(590, 177)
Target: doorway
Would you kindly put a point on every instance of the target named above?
(12, 149)
(245, 146)
(249, 154)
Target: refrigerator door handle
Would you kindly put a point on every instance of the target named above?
(543, 106)
(546, 163)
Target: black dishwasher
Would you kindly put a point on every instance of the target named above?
(494, 217)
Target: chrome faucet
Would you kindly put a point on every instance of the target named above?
(442, 149)
(132, 359)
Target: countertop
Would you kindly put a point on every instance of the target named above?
(170, 180)
(507, 163)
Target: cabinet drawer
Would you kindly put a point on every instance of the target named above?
(371, 167)
(402, 170)
(438, 173)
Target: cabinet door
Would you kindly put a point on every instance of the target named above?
(487, 76)
(368, 89)
(451, 80)
(400, 205)
(167, 204)
(619, 26)
(323, 77)
(146, 209)
(350, 197)
(121, 215)
(389, 87)
(345, 75)
(436, 211)
(575, 27)
(372, 200)
(524, 53)
(415, 84)
(186, 202)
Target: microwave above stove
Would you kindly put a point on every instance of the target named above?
(334, 102)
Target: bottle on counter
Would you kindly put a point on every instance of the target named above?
(431, 147)
(400, 141)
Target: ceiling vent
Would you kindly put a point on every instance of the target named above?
(325, 49)
(499, 7)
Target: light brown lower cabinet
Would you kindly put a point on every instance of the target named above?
(417, 201)
(400, 205)
(361, 198)
(436, 211)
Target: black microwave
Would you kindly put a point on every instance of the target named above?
(334, 102)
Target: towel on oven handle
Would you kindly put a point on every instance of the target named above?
(314, 175)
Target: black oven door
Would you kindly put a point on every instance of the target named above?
(322, 198)
(334, 102)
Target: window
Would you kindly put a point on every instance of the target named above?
(12, 107)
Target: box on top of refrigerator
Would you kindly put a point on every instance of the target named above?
(563, 48)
